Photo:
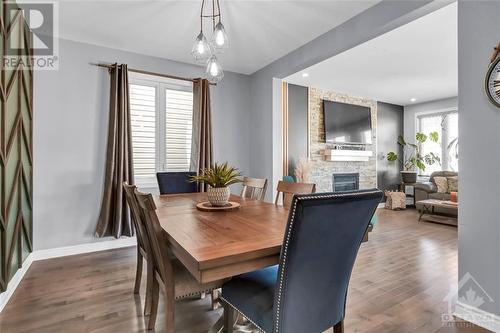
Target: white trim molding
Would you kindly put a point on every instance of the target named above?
(14, 282)
(83, 248)
(60, 252)
(478, 317)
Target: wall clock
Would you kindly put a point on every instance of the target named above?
(492, 81)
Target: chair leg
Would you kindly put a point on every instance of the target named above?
(169, 309)
(228, 318)
(154, 304)
(138, 273)
(149, 283)
(339, 328)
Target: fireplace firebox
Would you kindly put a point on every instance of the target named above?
(345, 181)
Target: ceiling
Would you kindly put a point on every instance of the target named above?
(415, 63)
(259, 31)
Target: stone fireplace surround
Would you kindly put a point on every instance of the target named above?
(321, 171)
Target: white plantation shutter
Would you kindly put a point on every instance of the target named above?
(143, 121)
(161, 117)
(178, 129)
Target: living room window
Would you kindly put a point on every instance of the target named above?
(446, 125)
(161, 112)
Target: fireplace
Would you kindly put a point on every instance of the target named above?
(345, 181)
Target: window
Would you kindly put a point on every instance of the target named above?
(446, 125)
(161, 113)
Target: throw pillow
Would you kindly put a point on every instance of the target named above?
(453, 184)
(442, 184)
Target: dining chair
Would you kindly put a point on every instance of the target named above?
(176, 182)
(287, 190)
(254, 188)
(307, 291)
(170, 275)
(143, 249)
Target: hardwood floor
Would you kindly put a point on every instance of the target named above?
(400, 279)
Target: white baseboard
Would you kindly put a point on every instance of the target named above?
(83, 248)
(478, 317)
(14, 282)
(56, 253)
(381, 205)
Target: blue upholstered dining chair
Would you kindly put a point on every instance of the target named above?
(176, 182)
(307, 291)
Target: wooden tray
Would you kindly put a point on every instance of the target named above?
(207, 207)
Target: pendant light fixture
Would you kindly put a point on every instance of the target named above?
(205, 51)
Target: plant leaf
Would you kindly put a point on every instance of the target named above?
(219, 175)
(401, 140)
(421, 137)
(392, 156)
(434, 136)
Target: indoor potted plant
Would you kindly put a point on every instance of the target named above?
(412, 156)
(218, 178)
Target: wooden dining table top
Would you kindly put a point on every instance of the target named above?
(217, 245)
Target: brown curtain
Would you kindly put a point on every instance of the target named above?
(202, 145)
(114, 218)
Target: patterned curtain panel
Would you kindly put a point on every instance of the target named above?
(16, 147)
(202, 145)
(114, 218)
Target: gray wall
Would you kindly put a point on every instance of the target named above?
(479, 123)
(389, 126)
(373, 22)
(70, 129)
(297, 125)
(411, 112)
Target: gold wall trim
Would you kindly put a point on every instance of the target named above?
(284, 126)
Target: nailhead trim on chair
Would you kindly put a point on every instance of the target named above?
(289, 232)
(241, 313)
(196, 293)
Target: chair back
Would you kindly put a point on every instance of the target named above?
(176, 182)
(140, 228)
(157, 240)
(254, 188)
(289, 189)
(322, 239)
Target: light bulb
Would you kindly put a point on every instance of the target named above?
(220, 41)
(201, 49)
(214, 70)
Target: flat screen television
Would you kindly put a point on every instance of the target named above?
(347, 123)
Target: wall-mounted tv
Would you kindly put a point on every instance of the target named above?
(347, 123)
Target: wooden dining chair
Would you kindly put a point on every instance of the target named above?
(287, 190)
(307, 291)
(143, 249)
(170, 275)
(254, 188)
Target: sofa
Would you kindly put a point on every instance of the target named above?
(428, 190)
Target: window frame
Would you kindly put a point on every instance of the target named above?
(161, 84)
(418, 128)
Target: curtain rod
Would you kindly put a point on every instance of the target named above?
(153, 73)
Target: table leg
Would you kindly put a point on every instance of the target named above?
(425, 210)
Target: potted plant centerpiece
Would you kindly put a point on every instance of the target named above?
(218, 178)
(412, 158)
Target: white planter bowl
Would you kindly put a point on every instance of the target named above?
(218, 196)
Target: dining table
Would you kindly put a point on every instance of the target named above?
(222, 244)
(217, 245)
